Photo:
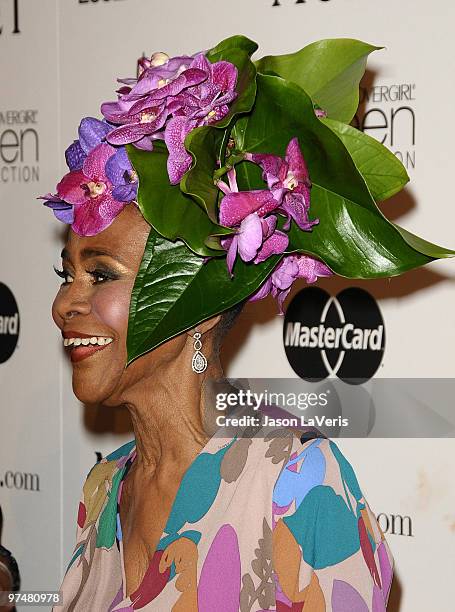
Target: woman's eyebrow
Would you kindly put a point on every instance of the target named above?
(90, 252)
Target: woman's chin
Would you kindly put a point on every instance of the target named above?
(93, 391)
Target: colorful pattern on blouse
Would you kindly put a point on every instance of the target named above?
(258, 524)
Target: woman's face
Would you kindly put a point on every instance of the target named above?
(92, 304)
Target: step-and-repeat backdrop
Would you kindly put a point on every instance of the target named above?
(58, 61)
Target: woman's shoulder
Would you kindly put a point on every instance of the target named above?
(113, 460)
(321, 517)
(101, 480)
(119, 453)
(317, 468)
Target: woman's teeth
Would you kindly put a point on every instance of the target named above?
(94, 340)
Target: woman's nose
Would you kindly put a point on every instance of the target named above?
(68, 305)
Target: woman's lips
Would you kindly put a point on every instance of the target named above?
(82, 351)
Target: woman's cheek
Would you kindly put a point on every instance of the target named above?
(111, 305)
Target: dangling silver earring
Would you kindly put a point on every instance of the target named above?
(199, 362)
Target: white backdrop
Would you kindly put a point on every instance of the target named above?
(60, 59)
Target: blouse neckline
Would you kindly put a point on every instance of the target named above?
(127, 465)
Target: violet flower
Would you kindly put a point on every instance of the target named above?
(122, 176)
(143, 111)
(63, 211)
(203, 104)
(92, 132)
(256, 238)
(289, 182)
(90, 192)
(154, 73)
(170, 98)
(275, 241)
(246, 241)
(290, 268)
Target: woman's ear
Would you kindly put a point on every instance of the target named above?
(205, 326)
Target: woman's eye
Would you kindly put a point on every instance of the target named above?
(67, 278)
(99, 276)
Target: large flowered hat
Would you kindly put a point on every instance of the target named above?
(249, 174)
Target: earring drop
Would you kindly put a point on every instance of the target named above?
(199, 362)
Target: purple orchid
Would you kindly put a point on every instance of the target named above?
(256, 238)
(92, 132)
(289, 182)
(122, 176)
(170, 98)
(154, 72)
(288, 194)
(203, 104)
(63, 211)
(143, 111)
(112, 187)
(290, 268)
(90, 193)
(250, 214)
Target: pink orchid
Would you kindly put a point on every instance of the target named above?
(289, 182)
(171, 97)
(89, 191)
(203, 104)
(145, 103)
(290, 268)
(256, 238)
(143, 118)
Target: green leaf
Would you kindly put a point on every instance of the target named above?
(328, 70)
(353, 241)
(174, 291)
(169, 211)
(423, 246)
(204, 144)
(383, 172)
(233, 42)
(353, 236)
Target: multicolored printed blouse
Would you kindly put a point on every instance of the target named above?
(261, 523)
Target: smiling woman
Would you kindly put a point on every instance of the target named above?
(239, 178)
(93, 301)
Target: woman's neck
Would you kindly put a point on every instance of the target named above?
(173, 413)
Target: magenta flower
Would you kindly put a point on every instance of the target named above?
(288, 194)
(275, 241)
(170, 98)
(289, 182)
(246, 241)
(255, 240)
(143, 118)
(290, 268)
(237, 205)
(203, 104)
(146, 102)
(89, 191)
(154, 73)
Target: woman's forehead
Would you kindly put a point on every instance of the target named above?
(123, 239)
